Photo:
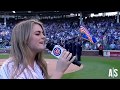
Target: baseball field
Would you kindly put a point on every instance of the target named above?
(94, 67)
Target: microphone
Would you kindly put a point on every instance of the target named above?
(56, 50)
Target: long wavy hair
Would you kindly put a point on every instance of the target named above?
(20, 51)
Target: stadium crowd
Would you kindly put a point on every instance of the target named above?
(105, 29)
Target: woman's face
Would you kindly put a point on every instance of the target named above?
(37, 39)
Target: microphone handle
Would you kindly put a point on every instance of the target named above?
(76, 62)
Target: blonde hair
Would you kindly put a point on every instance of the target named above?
(20, 50)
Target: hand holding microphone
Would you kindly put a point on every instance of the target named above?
(64, 61)
(61, 53)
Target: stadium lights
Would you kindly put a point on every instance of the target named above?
(13, 11)
(111, 13)
(96, 15)
(92, 15)
(29, 11)
(103, 14)
(71, 14)
(100, 14)
(78, 14)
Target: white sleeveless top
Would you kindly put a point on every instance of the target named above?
(7, 69)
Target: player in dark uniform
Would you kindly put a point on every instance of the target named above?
(79, 49)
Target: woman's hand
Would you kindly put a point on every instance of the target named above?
(62, 64)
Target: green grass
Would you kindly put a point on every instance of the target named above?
(93, 67)
(4, 56)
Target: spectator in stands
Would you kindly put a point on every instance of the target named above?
(112, 46)
(69, 28)
(100, 50)
(26, 61)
